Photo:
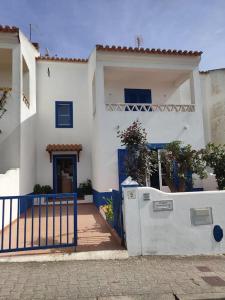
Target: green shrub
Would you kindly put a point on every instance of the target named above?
(37, 189)
(85, 188)
(45, 189)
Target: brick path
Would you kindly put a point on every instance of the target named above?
(93, 231)
(137, 278)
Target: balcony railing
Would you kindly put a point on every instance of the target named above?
(150, 107)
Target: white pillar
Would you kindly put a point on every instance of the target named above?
(132, 224)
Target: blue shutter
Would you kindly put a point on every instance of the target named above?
(137, 96)
(64, 114)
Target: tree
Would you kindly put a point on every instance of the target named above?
(140, 162)
(214, 156)
(179, 161)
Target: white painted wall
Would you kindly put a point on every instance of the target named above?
(171, 232)
(163, 88)
(67, 82)
(27, 119)
(9, 123)
(9, 186)
(161, 127)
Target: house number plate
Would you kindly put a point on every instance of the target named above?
(163, 205)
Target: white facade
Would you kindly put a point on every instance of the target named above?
(96, 89)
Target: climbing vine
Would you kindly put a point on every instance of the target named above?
(3, 98)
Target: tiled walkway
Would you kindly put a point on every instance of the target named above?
(143, 278)
(93, 232)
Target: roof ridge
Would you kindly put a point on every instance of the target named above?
(62, 59)
(147, 50)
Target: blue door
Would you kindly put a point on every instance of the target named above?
(65, 173)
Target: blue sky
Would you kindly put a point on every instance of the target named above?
(71, 28)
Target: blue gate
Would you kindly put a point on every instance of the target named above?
(118, 214)
(34, 222)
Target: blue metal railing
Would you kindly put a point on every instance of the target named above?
(117, 213)
(38, 222)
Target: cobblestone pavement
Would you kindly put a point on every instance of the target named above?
(133, 278)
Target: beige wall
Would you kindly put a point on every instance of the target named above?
(213, 91)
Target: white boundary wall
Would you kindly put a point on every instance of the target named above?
(150, 232)
(9, 186)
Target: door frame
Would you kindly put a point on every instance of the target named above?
(74, 162)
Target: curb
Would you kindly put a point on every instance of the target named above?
(91, 255)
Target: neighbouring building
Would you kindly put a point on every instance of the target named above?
(62, 114)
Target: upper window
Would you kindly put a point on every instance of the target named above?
(64, 114)
(137, 96)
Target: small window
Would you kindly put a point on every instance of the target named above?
(64, 114)
(137, 96)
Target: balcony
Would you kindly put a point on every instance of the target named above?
(161, 90)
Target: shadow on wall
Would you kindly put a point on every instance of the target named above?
(17, 150)
(10, 151)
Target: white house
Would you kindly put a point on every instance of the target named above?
(62, 117)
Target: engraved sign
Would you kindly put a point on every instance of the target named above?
(201, 216)
(146, 196)
(131, 194)
(163, 205)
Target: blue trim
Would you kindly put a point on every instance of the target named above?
(74, 162)
(57, 116)
(157, 146)
(98, 197)
(196, 189)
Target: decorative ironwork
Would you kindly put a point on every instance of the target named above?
(150, 107)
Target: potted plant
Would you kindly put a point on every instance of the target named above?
(85, 191)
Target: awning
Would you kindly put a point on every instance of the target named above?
(64, 148)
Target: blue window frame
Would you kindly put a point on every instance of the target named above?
(137, 96)
(64, 114)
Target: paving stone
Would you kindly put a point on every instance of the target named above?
(134, 278)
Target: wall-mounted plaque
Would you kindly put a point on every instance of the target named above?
(146, 196)
(163, 205)
(201, 216)
(131, 194)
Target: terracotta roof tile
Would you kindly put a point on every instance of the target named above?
(62, 59)
(203, 72)
(9, 29)
(63, 147)
(147, 50)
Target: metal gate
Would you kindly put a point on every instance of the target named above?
(118, 214)
(35, 222)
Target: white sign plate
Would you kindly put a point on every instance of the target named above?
(163, 205)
